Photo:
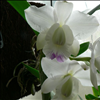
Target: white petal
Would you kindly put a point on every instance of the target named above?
(83, 65)
(68, 34)
(92, 63)
(91, 46)
(63, 11)
(39, 18)
(67, 87)
(96, 45)
(58, 51)
(93, 79)
(82, 25)
(41, 40)
(75, 85)
(52, 67)
(58, 37)
(97, 62)
(74, 67)
(51, 31)
(97, 15)
(98, 78)
(73, 95)
(84, 77)
(51, 83)
(74, 48)
(50, 47)
(59, 87)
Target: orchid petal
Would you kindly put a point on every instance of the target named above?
(75, 89)
(51, 31)
(58, 37)
(51, 83)
(83, 65)
(68, 34)
(97, 48)
(82, 25)
(92, 63)
(59, 87)
(74, 48)
(93, 79)
(52, 67)
(41, 40)
(97, 15)
(97, 62)
(98, 78)
(39, 18)
(63, 11)
(74, 67)
(96, 42)
(47, 50)
(84, 77)
(75, 85)
(66, 89)
(57, 51)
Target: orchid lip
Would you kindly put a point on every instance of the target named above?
(59, 37)
(59, 58)
(53, 56)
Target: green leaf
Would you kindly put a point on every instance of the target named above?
(98, 71)
(83, 47)
(20, 6)
(93, 10)
(95, 92)
(32, 70)
(90, 97)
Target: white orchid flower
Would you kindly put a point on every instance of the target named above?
(64, 77)
(95, 61)
(60, 28)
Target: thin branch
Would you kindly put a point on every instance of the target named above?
(51, 2)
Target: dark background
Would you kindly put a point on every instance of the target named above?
(17, 37)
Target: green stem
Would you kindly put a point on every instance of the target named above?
(43, 77)
(51, 2)
(94, 9)
(80, 58)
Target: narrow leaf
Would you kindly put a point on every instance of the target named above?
(95, 92)
(90, 97)
(83, 47)
(20, 6)
(32, 70)
(93, 10)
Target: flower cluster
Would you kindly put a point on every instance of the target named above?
(60, 28)
(60, 31)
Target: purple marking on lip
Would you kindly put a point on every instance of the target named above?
(53, 56)
(60, 58)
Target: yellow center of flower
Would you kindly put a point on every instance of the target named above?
(59, 37)
(68, 74)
